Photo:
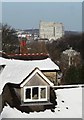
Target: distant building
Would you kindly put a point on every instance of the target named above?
(51, 30)
(30, 34)
(70, 57)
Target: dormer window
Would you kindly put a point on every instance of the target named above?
(35, 88)
(35, 93)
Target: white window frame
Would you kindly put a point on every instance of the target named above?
(39, 91)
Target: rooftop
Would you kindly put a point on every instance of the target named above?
(17, 70)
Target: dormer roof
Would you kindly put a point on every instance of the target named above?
(35, 71)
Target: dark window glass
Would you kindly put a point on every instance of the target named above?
(28, 93)
(35, 93)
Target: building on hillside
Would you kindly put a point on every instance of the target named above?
(30, 34)
(51, 30)
(70, 57)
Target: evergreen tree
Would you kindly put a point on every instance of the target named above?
(74, 75)
(9, 39)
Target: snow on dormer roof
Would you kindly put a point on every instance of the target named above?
(16, 70)
(36, 70)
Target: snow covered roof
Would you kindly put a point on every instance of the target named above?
(70, 108)
(2, 61)
(17, 70)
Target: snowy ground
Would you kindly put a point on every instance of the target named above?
(69, 106)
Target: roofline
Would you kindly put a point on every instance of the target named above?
(51, 70)
(36, 70)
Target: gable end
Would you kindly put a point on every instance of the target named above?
(34, 73)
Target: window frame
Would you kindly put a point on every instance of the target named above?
(39, 93)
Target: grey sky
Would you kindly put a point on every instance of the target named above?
(24, 15)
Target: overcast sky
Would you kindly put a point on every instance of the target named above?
(25, 15)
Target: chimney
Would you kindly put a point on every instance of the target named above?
(23, 47)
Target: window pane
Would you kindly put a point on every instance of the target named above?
(43, 93)
(35, 93)
(28, 93)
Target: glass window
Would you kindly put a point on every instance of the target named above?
(43, 93)
(35, 93)
(28, 93)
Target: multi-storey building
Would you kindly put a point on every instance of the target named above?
(51, 30)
